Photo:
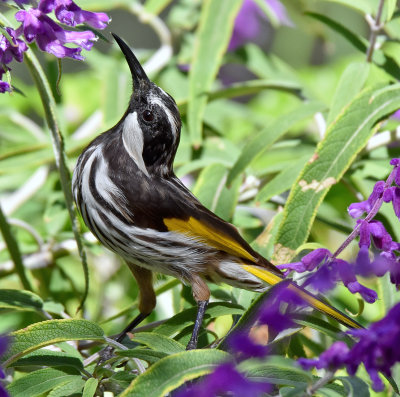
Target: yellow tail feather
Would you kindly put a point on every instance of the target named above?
(313, 301)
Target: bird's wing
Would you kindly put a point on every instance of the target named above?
(198, 222)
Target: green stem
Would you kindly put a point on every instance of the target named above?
(14, 251)
(49, 107)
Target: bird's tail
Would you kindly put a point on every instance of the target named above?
(309, 298)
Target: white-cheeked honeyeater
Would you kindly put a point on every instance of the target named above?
(129, 197)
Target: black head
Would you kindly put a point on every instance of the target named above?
(151, 125)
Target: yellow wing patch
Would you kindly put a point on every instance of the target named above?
(196, 229)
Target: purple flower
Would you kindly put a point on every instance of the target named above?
(357, 209)
(332, 359)
(309, 262)
(10, 51)
(4, 87)
(226, 380)
(50, 37)
(70, 14)
(272, 313)
(396, 164)
(3, 348)
(376, 349)
(247, 23)
(241, 343)
(330, 272)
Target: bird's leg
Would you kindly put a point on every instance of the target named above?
(201, 294)
(147, 302)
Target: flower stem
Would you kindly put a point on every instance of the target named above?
(49, 107)
(368, 218)
(375, 27)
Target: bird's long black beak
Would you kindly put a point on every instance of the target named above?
(138, 74)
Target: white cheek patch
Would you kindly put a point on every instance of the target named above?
(132, 138)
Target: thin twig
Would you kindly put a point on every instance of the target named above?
(320, 383)
(375, 26)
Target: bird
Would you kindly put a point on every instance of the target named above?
(127, 193)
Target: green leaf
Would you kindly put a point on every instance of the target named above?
(281, 182)
(49, 358)
(278, 372)
(150, 356)
(172, 371)
(20, 300)
(354, 386)
(357, 41)
(185, 318)
(265, 138)
(156, 6)
(389, 7)
(72, 386)
(90, 387)
(247, 88)
(363, 6)
(13, 249)
(49, 332)
(214, 31)
(158, 342)
(344, 139)
(323, 326)
(350, 84)
(39, 382)
(212, 192)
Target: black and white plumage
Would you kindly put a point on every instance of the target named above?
(129, 197)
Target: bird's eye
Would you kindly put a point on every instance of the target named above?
(148, 115)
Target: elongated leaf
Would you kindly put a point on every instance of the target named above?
(158, 342)
(363, 6)
(156, 6)
(39, 382)
(90, 387)
(151, 356)
(71, 386)
(211, 190)
(172, 371)
(357, 41)
(354, 386)
(49, 332)
(343, 141)
(187, 317)
(281, 182)
(247, 88)
(350, 84)
(51, 358)
(21, 300)
(280, 375)
(216, 24)
(13, 249)
(265, 138)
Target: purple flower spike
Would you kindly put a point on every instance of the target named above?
(247, 24)
(355, 210)
(10, 51)
(51, 37)
(69, 13)
(4, 87)
(246, 347)
(309, 262)
(322, 280)
(332, 359)
(3, 349)
(226, 380)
